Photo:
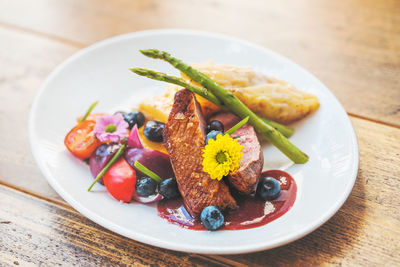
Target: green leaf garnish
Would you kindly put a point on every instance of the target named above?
(88, 111)
(108, 165)
(146, 171)
(238, 125)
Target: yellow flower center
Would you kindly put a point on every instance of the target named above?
(110, 128)
(221, 157)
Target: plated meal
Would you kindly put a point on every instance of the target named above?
(103, 72)
(196, 150)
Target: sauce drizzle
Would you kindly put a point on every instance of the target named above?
(252, 212)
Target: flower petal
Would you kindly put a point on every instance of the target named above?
(103, 121)
(227, 145)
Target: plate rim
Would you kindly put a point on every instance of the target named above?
(159, 242)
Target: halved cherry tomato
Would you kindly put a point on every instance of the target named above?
(91, 117)
(120, 180)
(81, 140)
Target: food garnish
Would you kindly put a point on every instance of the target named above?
(221, 156)
(238, 125)
(268, 188)
(146, 171)
(108, 165)
(101, 156)
(120, 180)
(134, 139)
(133, 118)
(213, 135)
(81, 140)
(154, 160)
(168, 188)
(212, 218)
(147, 143)
(111, 128)
(89, 111)
(200, 91)
(233, 104)
(146, 187)
(153, 131)
(215, 125)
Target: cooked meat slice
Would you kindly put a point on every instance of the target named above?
(227, 119)
(245, 179)
(184, 135)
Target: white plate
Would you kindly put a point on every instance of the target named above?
(101, 72)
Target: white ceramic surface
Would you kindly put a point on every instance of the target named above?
(101, 72)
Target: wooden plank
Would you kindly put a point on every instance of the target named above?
(352, 46)
(25, 61)
(33, 231)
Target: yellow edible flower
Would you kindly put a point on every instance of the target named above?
(221, 156)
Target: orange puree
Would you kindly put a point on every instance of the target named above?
(150, 144)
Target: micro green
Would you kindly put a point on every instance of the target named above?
(108, 165)
(146, 171)
(89, 111)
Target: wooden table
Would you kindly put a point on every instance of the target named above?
(352, 46)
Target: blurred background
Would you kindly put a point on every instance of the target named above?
(347, 44)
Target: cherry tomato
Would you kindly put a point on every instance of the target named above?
(91, 117)
(120, 180)
(81, 140)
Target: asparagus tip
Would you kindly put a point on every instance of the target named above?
(140, 71)
(153, 53)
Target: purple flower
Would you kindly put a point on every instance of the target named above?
(111, 128)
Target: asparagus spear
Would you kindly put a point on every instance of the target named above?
(234, 105)
(178, 81)
(286, 131)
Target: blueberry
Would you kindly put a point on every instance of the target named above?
(107, 149)
(268, 188)
(212, 218)
(169, 188)
(134, 117)
(154, 131)
(215, 125)
(213, 135)
(146, 187)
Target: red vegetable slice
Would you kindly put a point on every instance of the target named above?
(81, 140)
(154, 160)
(134, 139)
(120, 180)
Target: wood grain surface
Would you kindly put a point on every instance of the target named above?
(352, 46)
